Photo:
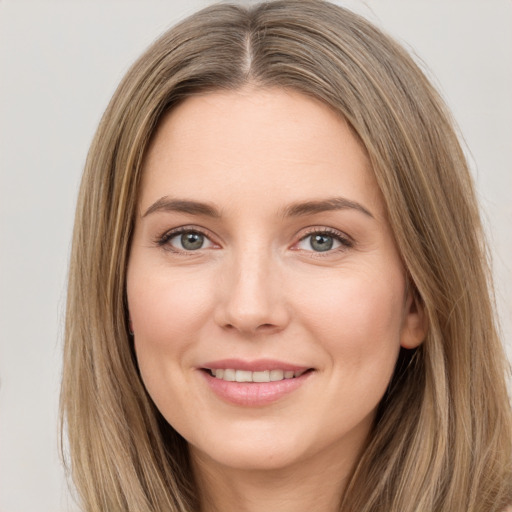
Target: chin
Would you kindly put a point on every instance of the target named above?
(268, 446)
(251, 447)
(248, 458)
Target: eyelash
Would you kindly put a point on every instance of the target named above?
(345, 242)
(162, 240)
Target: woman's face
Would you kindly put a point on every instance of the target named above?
(265, 290)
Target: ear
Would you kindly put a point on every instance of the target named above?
(415, 322)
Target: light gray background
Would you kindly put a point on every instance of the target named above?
(60, 63)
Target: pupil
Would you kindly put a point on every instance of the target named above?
(322, 242)
(192, 241)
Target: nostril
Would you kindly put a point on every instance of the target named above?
(259, 328)
(267, 329)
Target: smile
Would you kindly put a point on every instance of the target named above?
(233, 375)
(254, 383)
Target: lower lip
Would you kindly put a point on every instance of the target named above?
(254, 394)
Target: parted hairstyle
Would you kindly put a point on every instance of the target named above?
(442, 437)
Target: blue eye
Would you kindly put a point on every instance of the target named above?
(323, 241)
(191, 241)
(186, 240)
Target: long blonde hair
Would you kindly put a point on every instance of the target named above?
(442, 440)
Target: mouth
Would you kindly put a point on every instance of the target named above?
(261, 376)
(255, 383)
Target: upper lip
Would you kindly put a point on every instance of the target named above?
(256, 365)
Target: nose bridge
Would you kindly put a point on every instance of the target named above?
(252, 299)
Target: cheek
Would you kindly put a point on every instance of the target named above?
(166, 306)
(357, 318)
(167, 310)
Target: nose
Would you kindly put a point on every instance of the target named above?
(252, 298)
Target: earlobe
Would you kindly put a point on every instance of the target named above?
(415, 322)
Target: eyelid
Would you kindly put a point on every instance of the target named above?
(162, 240)
(346, 241)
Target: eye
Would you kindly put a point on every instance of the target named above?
(186, 240)
(323, 241)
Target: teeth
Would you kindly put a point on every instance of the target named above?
(229, 375)
(276, 375)
(232, 375)
(261, 376)
(243, 376)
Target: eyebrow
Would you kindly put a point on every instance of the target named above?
(333, 203)
(167, 204)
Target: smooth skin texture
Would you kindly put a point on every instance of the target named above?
(257, 276)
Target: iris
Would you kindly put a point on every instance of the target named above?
(321, 242)
(192, 241)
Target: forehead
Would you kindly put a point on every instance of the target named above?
(259, 143)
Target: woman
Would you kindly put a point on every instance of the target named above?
(279, 295)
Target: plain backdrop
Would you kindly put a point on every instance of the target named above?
(60, 63)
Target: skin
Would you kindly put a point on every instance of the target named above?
(257, 288)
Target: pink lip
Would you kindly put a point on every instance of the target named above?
(253, 394)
